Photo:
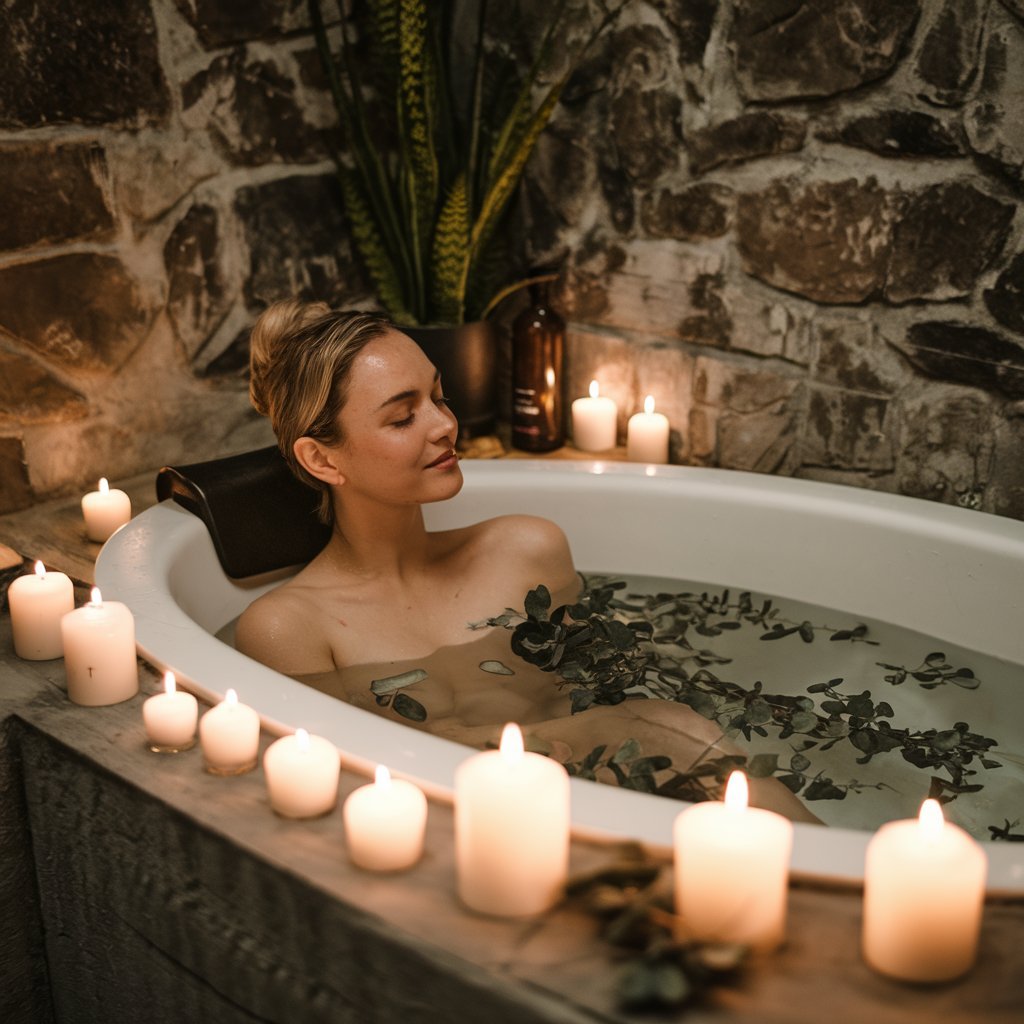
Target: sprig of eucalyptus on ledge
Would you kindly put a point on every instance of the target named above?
(632, 898)
(607, 649)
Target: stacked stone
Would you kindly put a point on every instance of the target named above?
(165, 175)
(801, 226)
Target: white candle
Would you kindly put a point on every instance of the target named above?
(384, 823)
(302, 775)
(38, 601)
(229, 734)
(647, 435)
(731, 870)
(594, 422)
(105, 510)
(99, 652)
(511, 829)
(924, 886)
(170, 718)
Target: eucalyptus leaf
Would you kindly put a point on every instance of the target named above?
(628, 751)
(497, 668)
(379, 687)
(409, 708)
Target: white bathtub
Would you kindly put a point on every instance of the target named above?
(944, 571)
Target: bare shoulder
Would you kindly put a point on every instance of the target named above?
(280, 629)
(536, 546)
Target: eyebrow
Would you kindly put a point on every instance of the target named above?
(404, 396)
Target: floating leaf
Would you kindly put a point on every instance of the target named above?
(629, 750)
(761, 766)
(409, 708)
(379, 687)
(496, 668)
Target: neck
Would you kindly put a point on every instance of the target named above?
(376, 540)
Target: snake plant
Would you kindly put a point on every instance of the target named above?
(426, 180)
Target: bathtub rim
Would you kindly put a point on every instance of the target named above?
(163, 534)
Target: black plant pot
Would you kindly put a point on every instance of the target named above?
(467, 357)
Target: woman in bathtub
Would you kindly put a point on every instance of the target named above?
(360, 416)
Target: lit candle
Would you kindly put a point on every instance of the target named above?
(384, 823)
(229, 734)
(647, 435)
(105, 510)
(924, 886)
(38, 601)
(99, 652)
(170, 718)
(511, 829)
(594, 422)
(302, 775)
(731, 870)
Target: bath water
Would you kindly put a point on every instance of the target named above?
(858, 718)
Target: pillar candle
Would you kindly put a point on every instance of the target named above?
(731, 870)
(647, 435)
(104, 511)
(594, 422)
(229, 734)
(38, 601)
(170, 718)
(384, 823)
(99, 652)
(511, 829)
(302, 775)
(924, 886)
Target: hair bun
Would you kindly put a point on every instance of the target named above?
(275, 328)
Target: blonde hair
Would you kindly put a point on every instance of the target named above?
(300, 358)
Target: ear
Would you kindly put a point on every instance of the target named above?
(319, 461)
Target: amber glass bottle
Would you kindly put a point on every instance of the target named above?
(538, 351)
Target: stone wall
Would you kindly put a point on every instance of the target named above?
(801, 226)
(796, 223)
(165, 175)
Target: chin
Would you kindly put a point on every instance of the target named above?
(447, 487)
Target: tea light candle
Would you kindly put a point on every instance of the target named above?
(731, 870)
(99, 652)
(229, 734)
(924, 886)
(38, 601)
(594, 422)
(170, 718)
(384, 823)
(647, 435)
(511, 829)
(302, 775)
(105, 511)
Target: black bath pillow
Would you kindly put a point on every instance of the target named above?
(260, 517)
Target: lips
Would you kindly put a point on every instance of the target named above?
(448, 456)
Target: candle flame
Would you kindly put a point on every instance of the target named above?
(382, 776)
(230, 697)
(41, 570)
(170, 683)
(511, 743)
(737, 792)
(594, 391)
(931, 820)
(649, 404)
(95, 597)
(302, 738)
(104, 486)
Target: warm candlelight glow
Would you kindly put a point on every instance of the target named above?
(104, 487)
(230, 697)
(170, 683)
(649, 404)
(594, 389)
(737, 793)
(95, 597)
(41, 570)
(931, 821)
(302, 739)
(382, 776)
(512, 747)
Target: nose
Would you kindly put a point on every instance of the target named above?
(443, 424)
